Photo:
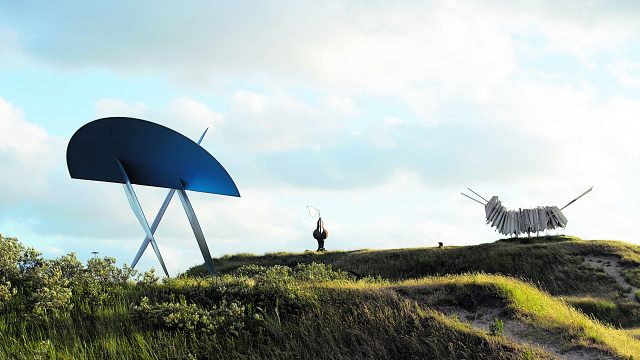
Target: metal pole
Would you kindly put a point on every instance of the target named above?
(137, 210)
(478, 195)
(478, 201)
(574, 200)
(158, 217)
(197, 230)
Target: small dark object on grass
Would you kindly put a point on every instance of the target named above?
(320, 234)
(440, 244)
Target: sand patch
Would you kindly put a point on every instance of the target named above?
(611, 266)
(523, 333)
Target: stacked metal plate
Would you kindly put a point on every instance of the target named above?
(521, 221)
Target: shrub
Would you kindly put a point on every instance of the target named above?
(226, 318)
(250, 270)
(6, 293)
(96, 283)
(53, 298)
(318, 272)
(104, 271)
(148, 278)
(10, 253)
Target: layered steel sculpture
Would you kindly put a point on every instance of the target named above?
(134, 151)
(521, 221)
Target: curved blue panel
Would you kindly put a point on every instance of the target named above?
(151, 154)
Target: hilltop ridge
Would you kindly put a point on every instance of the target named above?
(534, 298)
(557, 264)
(598, 278)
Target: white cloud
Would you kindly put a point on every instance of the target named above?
(27, 155)
(342, 104)
(420, 53)
(183, 114)
(116, 107)
(193, 114)
(392, 120)
(250, 101)
(627, 72)
(279, 122)
(474, 88)
(18, 136)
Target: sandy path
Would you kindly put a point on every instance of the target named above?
(522, 333)
(611, 266)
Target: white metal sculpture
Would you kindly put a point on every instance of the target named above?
(516, 222)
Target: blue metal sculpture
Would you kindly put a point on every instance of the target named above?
(134, 151)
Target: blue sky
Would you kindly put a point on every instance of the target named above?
(378, 113)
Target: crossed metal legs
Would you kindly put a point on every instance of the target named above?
(149, 231)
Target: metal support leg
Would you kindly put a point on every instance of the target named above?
(158, 218)
(137, 210)
(197, 231)
(154, 226)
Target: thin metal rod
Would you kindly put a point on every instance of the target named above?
(574, 200)
(478, 201)
(485, 200)
(158, 218)
(316, 210)
(202, 136)
(137, 210)
(197, 230)
(154, 226)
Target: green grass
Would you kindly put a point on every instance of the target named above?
(338, 320)
(542, 311)
(555, 264)
(308, 309)
(623, 314)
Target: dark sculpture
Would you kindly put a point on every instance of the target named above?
(320, 234)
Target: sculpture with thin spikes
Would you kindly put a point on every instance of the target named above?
(134, 151)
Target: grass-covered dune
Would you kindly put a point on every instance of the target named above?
(555, 264)
(292, 306)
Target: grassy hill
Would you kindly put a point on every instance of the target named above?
(543, 298)
(555, 264)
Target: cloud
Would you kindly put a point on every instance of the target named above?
(627, 72)
(342, 104)
(27, 155)
(115, 107)
(379, 114)
(250, 101)
(372, 48)
(422, 54)
(184, 114)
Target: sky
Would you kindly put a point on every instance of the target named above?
(379, 113)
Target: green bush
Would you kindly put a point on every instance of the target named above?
(49, 288)
(97, 283)
(6, 293)
(148, 278)
(53, 298)
(250, 270)
(227, 319)
(306, 272)
(318, 272)
(10, 253)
